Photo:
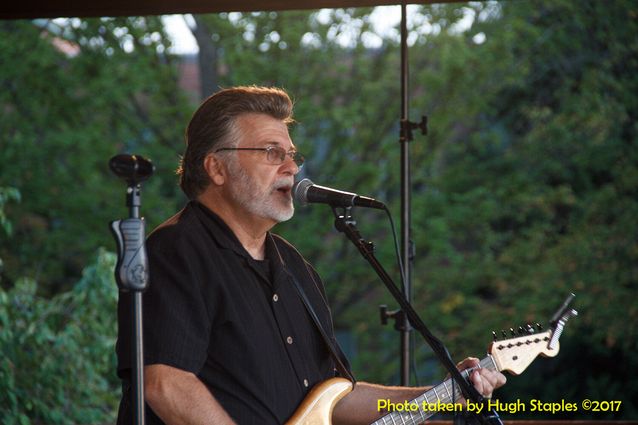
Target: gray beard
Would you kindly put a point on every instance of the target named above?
(246, 193)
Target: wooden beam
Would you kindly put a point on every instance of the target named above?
(31, 9)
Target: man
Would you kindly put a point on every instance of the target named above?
(227, 336)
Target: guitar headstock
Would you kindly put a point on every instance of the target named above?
(518, 352)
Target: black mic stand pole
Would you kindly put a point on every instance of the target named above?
(131, 270)
(407, 246)
(347, 225)
(406, 218)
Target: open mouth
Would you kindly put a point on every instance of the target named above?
(284, 190)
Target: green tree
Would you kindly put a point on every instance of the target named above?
(75, 94)
(57, 363)
(531, 194)
(7, 194)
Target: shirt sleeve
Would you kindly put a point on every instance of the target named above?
(176, 321)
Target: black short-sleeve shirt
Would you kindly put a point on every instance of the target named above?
(237, 323)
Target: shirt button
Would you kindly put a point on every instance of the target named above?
(305, 383)
(289, 340)
(275, 298)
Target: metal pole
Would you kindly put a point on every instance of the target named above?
(406, 242)
(138, 358)
(137, 372)
(131, 270)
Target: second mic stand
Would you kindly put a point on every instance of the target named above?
(131, 270)
(345, 224)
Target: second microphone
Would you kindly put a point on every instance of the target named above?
(306, 192)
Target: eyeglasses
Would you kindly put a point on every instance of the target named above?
(274, 154)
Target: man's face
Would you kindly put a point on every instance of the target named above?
(259, 187)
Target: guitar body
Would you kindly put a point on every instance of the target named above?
(318, 405)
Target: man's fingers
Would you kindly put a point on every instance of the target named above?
(486, 381)
(467, 363)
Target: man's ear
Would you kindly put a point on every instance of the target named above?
(215, 169)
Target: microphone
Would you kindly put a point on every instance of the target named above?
(132, 168)
(306, 192)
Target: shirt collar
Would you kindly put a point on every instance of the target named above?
(218, 229)
(226, 238)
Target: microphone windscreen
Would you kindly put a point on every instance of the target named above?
(300, 191)
(132, 168)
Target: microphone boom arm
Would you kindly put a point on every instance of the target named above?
(345, 223)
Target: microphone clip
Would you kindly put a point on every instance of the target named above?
(346, 224)
(407, 126)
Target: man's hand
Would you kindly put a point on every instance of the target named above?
(484, 380)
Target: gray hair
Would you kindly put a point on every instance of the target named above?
(213, 126)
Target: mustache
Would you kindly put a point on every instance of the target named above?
(282, 183)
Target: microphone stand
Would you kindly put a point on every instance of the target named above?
(345, 224)
(131, 270)
(407, 245)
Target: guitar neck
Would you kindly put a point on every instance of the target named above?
(445, 393)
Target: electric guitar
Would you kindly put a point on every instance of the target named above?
(512, 355)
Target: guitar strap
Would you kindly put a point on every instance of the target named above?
(343, 370)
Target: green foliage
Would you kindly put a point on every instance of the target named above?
(57, 360)
(532, 194)
(7, 194)
(74, 95)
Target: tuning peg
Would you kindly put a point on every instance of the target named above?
(539, 327)
(521, 331)
(494, 336)
(529, 329)
(504, 334)
(512, 331)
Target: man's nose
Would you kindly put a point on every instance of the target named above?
(289, 166)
